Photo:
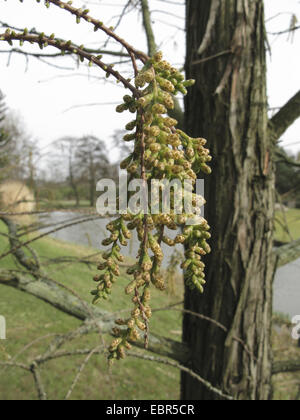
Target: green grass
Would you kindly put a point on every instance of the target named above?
(29, 318)
(290, 219)
(63, 204)
(286, 385)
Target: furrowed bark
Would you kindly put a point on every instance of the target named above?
(46, 289)
(148, 28)
(228, 106)
(64, 301)
(286, 366)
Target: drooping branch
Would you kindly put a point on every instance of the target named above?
(46, 289)
(38, 382)
(282, 157)
(285, 117)
(287, 253)
(26, 262)
(207, 384)
(286, 31)
(55, 55)
(102, 51)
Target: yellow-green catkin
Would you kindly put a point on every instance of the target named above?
(167, 153)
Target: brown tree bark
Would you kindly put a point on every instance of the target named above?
(228, 106)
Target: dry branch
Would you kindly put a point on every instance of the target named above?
(285, 117)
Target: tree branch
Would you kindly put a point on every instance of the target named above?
(287, 253)
(84, 14)
(207, 384)
(148, 27)
(286, 366)
(285, 31)
(177, 112)
(285, 117)
(68, 46)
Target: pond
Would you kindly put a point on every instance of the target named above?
(91, 233)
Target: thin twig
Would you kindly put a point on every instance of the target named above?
(38, 382)
(81, 14)
(80, 370)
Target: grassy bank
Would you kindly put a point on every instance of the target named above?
(287, 386)
(28, 319)
(287, 225)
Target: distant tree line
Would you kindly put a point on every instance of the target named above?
(69, 171)
(18, 152)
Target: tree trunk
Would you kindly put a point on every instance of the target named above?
(92, 191)
(228, 106)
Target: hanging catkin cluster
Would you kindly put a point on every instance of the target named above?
(160, 152)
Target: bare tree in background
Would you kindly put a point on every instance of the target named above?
(91, 162)
(68, 145)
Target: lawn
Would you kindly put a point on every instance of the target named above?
(287, 225)
(29, 318)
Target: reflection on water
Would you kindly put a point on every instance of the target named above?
(91, 233)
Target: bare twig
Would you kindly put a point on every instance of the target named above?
(80, 370)
(72, 48)
(38, 382)
(207, 384)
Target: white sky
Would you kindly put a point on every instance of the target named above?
(42, 94)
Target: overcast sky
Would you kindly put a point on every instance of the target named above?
(43, 95)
